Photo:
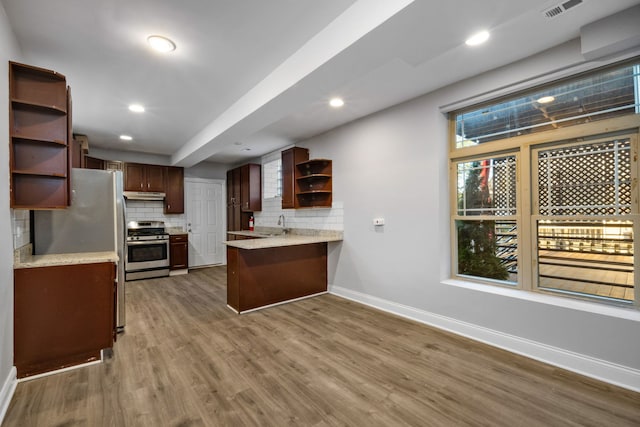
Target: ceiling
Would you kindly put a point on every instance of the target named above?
(252, 76)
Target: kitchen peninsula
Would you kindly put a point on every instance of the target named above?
(269, 267)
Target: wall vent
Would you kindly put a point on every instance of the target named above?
(561, 8)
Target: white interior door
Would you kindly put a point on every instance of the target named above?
(205, 225)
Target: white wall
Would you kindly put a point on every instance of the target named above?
(393, 164)
(9, 50)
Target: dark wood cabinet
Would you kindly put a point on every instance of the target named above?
(174, 199)
(93, 163)
(233, 200)
(290, 158)
(260, 277)
(314, 183)
(244, 195)
(251, 187)
(179, 251)
(39, 122)
(78, 156)
(155, 178)
(63, 315)
(233, 187)
(141, 177)
(134, 177)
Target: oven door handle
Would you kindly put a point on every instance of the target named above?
(147, 242)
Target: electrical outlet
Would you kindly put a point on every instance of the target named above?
(378, 221)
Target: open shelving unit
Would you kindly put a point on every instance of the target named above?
(39, 126)
(313, 184)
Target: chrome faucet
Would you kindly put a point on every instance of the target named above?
(281, 222)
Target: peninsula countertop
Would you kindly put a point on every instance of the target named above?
(26, 260)
(270, 238)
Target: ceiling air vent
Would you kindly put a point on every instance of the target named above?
(561, 8)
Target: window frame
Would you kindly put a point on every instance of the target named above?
(524, 147)
(453, 171)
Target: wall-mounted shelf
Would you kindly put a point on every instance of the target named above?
(39, 129)
(314, 184)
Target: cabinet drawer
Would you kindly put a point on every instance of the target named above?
(177, 238)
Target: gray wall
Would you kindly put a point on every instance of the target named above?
(393, 164)
(8, 51)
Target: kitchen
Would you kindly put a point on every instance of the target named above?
(401, 265)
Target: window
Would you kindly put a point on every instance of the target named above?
(546, 189)
(272, 179)
(486, 224)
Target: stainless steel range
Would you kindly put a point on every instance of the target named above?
(147, 253)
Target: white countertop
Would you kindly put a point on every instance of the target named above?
(32, 261)
(265, 239)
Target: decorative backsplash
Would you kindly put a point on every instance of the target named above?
(139, 210)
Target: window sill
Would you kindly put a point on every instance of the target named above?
(627, 313)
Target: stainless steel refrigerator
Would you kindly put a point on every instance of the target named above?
(95, 222)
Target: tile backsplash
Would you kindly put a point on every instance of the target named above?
(318, 219)
(147, 210)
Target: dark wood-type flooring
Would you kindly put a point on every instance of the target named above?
(187, 360)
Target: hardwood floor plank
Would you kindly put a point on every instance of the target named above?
(187, 360)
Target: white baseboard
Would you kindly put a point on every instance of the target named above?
(179, 272)
(6, 393)
(602, 370)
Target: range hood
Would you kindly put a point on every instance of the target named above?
(143, 195)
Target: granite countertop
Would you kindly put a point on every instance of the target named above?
(270, 238)
(24, 259)
(175, 230)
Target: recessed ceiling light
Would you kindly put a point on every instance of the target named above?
(546, 99)
(478, 38)
(161, 44)
(126, 137)
(336, 102)
(136, 108)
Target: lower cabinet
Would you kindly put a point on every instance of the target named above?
(63, 316)
(261, 277)
(179, 251)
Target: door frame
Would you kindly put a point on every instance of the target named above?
(223, 203)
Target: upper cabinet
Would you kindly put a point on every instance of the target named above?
(251, 188)
(39, 128)
(93, 163)
(142, 177)
(313, 184)
(290, 158)
(244, 195)
(174, 199)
